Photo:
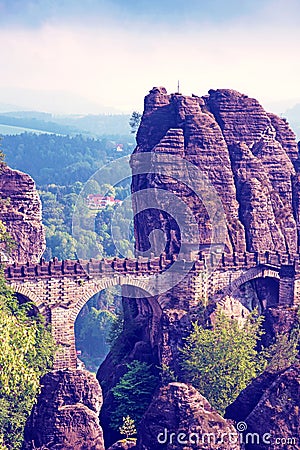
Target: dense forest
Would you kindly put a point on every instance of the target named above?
(61, 166)
(62, 160)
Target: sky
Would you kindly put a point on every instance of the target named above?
(95, 56)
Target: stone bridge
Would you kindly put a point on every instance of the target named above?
(59, 289)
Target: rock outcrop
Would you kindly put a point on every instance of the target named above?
(180, 417)
(269, 407)
(124, 444)
(66, 415)
(248, 155)
(243, 161)
(21, 212)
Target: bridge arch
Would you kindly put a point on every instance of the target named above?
(23, 290)
(251, 274)
(139, 306)
(93, 287)
(254, 274)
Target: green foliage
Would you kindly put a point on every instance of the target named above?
(133, 393)
(284, 352)
(121, 233)
(93, 331)
(167, 374)
(2, 165)
(123, 342)
(93, 325)
(90, 125)
(220, 362)
(134, 121)
(60, 244)
(116, 328)
(62, 160)
(6, 241)
(26, 353)
(128, 427)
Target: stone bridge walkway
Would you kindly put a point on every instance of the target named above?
(61, 288)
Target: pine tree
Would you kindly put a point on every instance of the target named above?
(133, 393)
(134, 121)
(128, 427)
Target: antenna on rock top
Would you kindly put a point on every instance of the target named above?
(178, 88)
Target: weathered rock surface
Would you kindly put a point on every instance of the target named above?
(180, 417)
(140, 340)
(124, 444)
(279, 320)
(246, 153)
(270, 407)
(21, 212)
(66, 415)
(250, 159)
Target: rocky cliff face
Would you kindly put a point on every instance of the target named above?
(269, 407)
(180, 417)
(250, 159)
(249, 156)
(66, 415)
(21, 212)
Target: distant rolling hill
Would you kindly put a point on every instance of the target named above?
(90, 125)
(8, 129)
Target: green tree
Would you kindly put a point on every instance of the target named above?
(92, 331)
(167, 374)
(89, 246)
(285, 350)
(6, 242)
(128, 427)
(91, 187)
(108, 190)
(220, 362)
(26, 353)
(116, 328)
(134, 121)
(61, 244)
(133, 392)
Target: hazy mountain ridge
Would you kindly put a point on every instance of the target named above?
(92, 125)
(293, 117)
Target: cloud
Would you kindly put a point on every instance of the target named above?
(114, 64)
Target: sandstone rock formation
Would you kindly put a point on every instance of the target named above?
(66, 415)
(21, 212)
(124, 444)
(270, 407)
(140, 340)
(249, 156)
(242, 155)
(180, 417)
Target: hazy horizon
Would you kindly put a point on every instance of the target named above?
(105, 55)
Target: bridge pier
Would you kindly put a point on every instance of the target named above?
(286, 285)
(64, 336)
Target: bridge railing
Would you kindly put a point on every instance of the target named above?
(106, 266)
(152, 265)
